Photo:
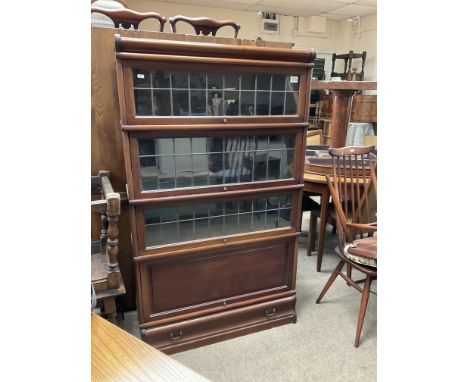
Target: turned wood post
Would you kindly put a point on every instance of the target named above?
(112, 247)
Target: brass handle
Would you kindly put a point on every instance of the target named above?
(175, 335)
(270, 312)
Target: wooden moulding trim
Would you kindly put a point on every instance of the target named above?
(217, 309)
(214, 126)
(209, 196)
(209, 60)
(223, 246)
(185, 48)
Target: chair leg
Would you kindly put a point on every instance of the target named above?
(349, 271)
(110, 310)
(330, 281)
(312, 233)
(362, 309)
(334, 227)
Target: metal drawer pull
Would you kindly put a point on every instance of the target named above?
(270, 312)
(175, 335)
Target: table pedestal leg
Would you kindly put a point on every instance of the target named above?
(324, 200)
(341, 111)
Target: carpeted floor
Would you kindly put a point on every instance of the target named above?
(319, 347)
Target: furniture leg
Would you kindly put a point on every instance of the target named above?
(311, 235)
(324, 200)
(349, 270)
(330, 281)
(362, 309)
(110, 309)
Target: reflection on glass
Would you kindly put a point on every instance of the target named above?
(291, 102)
(198, 102)
(168, 163)
(143, 102)
(186, 223)
(248, 81)
(180, 102)
(277, 103)
(141, 78)
(183, 93)
(247, 103)
(162, 102)
(263, 103)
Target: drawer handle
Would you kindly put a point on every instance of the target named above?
(270, 312)
(175, 335)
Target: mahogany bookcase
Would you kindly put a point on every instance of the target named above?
(214, 145)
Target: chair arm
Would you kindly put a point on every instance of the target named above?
(372, 227)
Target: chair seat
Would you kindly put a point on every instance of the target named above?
(99, 270)
(362, 251)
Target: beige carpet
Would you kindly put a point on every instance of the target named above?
(319, 347)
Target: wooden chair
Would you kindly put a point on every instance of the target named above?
(105, 274)
(353, 187)
(126, 17)
(204, 25)
(348, 74)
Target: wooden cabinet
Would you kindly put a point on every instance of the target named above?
(364, 108)
(214, 141)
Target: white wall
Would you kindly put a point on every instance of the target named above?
(339, 36)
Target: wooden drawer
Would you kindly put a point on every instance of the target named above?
(208, 329)
(209, 278)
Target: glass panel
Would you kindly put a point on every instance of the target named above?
(263, 103)
(161, 79)
(247, 102)
(186, 231)
(169, 233)
(162, 102)
(288, 141)
(258, 221)
(291, 102)
(141, 78)
(215, 103)
(215, 81)
(180, 80)
(292, 83)
(167, 163)
(277, 103)
(197, 80)
(278, 82)
(153, 235)
(248, 81)
(274, 164)
(183, 93)
(143, 104)
(284, 218)
(216, 226)
(147, 147)
(271, 219)
(149, 173)
(263, 81)
(230, 225)
(231, 102)
(180, 102)
(202, 229)
(198, 102)
(245, 223)
(231, 81)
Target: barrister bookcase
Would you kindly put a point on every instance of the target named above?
(214, 142)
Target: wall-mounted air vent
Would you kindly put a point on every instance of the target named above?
(270, 26)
